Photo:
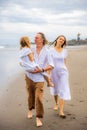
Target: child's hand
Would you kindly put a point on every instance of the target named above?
(20, 63)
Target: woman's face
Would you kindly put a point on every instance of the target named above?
(60, 40)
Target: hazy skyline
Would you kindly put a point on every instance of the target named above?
(54, 17)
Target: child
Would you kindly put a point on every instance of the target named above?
(27, 60)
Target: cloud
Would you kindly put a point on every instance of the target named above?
(55, 5)
(17, 13)
(67, 17)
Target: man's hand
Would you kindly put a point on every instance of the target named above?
(37, 70)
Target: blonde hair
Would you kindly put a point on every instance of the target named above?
(24, 42)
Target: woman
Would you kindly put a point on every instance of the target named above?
(60, 74)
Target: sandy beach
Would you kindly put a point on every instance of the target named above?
(13, 99)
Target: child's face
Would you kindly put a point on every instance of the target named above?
(28, 42)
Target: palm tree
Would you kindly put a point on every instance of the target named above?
(78, 37)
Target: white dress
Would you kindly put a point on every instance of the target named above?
(60, 75)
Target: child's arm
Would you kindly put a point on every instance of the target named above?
(31, 57)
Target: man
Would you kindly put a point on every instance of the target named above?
(35, 80)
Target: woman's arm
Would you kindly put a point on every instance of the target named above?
(49, 67)
(38, 70)
(65, 61)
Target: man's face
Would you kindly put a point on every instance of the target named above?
(38, 39)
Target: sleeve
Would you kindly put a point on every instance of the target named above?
(27, 51)
(49, 59)
(65, 53)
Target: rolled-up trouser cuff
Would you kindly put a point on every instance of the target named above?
(39, 116)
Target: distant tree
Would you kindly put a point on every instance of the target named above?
(73, 40)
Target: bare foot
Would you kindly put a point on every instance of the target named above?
(38, 122)
(56, 107)
(62, 115)
(30, 114)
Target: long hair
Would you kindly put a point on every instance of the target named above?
(43, 37)
(24, 41)
(55, 41)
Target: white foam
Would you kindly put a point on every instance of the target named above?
(1, 47)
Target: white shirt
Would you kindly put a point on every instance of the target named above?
(43, 59)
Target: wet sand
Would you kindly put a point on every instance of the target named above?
(13, 100)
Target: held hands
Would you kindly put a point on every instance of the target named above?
(37, 70)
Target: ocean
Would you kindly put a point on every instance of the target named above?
(9, 64)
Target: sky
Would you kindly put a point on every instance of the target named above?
(52, 17)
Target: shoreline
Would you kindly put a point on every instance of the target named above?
(2, 47)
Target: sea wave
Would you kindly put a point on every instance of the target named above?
(1, 47)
